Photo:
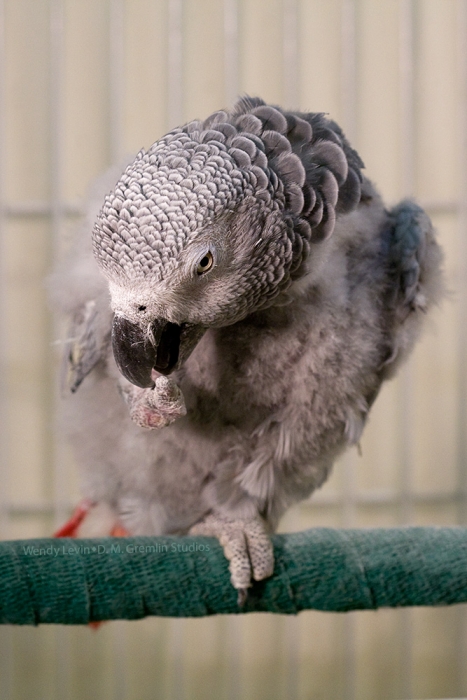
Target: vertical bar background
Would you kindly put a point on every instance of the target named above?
(231, 51)
(462, 335)
(314, 655)
(6, 650)
(57, 22)
(175, 114)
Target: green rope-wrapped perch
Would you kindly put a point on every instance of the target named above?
(72, 581)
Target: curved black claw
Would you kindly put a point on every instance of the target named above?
(242, 596)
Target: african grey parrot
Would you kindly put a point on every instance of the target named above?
(260, 293)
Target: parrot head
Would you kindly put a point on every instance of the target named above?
(213, 222)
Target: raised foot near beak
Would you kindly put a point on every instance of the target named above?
(157, 407)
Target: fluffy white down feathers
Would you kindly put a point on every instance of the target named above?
(260, 293)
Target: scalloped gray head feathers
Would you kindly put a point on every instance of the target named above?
(297, 164)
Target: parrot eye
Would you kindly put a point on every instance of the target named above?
(205, 264)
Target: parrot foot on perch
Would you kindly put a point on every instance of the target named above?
(246, 545)
(91, 519)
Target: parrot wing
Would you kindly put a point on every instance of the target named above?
(84, 347)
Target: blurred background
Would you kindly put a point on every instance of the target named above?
(83, 83)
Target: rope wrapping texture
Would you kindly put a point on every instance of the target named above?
(70, 581)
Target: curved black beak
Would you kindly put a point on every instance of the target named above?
(136, 354)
